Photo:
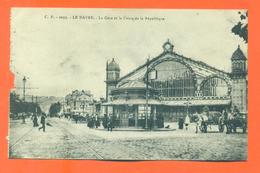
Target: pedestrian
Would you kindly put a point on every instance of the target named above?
(221, 121)
(225, 115)
(204, 121)
(110, 124)
(43, 117)
(180, 122)
(23, 117)
(198, 121)
(187, 121)
(76, 118)
(97, 123)
(35, 121)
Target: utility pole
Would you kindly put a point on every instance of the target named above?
(24, 82)
(188, 103)
(36, 105)
(242, 108)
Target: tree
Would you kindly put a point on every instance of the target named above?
(240, 28)
(55, 108)
(14, 99)
(19, 106)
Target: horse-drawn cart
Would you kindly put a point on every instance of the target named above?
(208, 120)
(234, 121)
(231, 122)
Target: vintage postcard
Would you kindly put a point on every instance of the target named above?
(129, 84)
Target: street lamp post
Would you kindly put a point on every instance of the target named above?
(146, 95)
(126, 106)
(25, 111)
(24, 81)
(188, 103)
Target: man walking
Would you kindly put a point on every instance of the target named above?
(43, 117)
(110, 124)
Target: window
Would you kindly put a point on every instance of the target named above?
(173, 79)
(215, 87)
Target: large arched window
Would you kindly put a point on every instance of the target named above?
(215, 87)
(173, 79)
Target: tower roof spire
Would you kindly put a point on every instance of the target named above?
(238, 54)
(113, 66)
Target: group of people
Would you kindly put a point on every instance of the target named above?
(93, 122)
(184, 122)
(202, 120)
(108, 122)
(42, 121)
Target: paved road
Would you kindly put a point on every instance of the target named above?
(65, 139)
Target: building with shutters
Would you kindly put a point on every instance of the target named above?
(79, 103)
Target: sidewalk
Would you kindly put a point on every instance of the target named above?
(132, 133)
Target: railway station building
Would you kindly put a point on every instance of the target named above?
(171, 86)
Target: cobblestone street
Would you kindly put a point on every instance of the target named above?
(66, 139)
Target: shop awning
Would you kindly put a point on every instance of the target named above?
(197, 102)
(132, 102)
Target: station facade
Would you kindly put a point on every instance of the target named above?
(170, 86)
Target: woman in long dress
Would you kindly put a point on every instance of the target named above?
(187, 121)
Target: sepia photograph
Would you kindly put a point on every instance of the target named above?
(128, 84)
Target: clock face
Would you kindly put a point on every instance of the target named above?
(168, 47)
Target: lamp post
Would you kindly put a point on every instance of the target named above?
(146, 95)
(24, 81)
(126, 105)
(188, 103)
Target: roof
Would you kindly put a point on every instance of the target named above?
(132, 102)
(113, 66)
(238, 54)
(134, 84)
(200, 68)
(196, 102)
(78, 94)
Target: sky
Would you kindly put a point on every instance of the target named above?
(60, 50)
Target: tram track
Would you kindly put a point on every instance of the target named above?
(81, 142)
(79, 139)
(124, 152)
(12, 146)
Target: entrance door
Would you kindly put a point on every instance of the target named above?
(124, 120)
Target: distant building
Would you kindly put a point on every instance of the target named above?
(79, 103)
(174, 86)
